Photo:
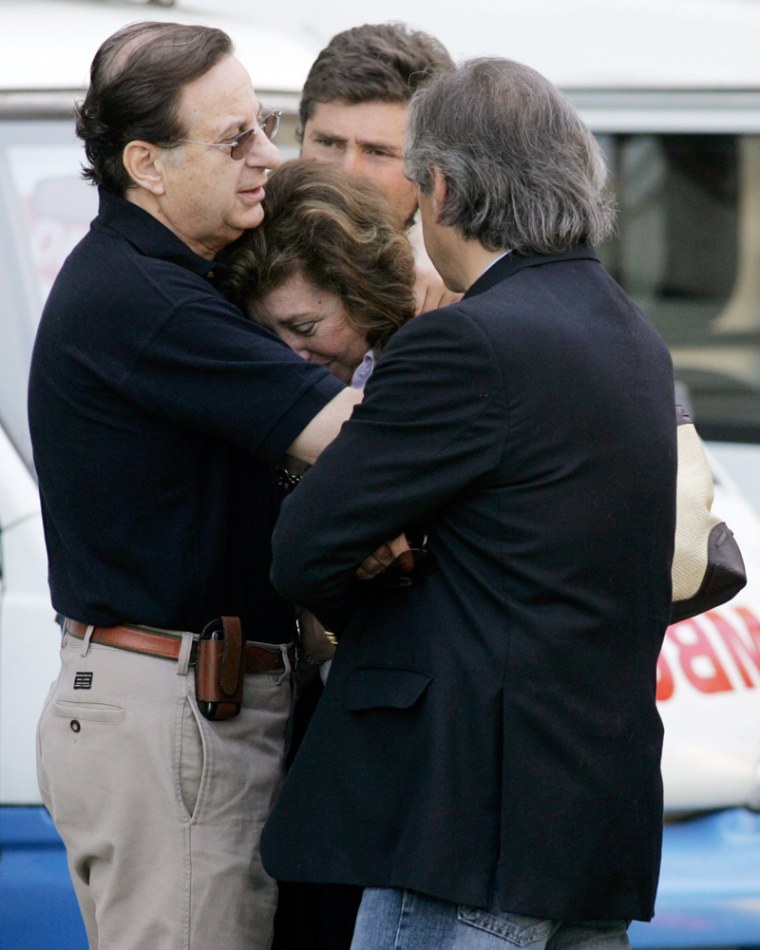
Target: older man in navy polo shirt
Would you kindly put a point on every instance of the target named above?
(156, 413)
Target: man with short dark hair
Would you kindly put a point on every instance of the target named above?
(157, 411)
(353, 113)
(354, 103)
(485, 757)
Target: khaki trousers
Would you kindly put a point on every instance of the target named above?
(161, 810)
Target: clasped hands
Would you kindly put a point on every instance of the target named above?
(391, 565)
(396, 555)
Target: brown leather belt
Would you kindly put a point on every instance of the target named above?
(167, 645)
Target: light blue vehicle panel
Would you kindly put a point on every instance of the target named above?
(709, 893)
(38, 910)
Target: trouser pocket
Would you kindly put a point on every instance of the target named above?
(190, 757)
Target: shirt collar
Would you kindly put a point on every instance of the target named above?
(152, 237)
(495, 261)
(363, 371)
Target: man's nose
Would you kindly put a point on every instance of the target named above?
(351, 161)
(264, 153)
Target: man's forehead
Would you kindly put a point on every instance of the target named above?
(221, 100)
(372, 121)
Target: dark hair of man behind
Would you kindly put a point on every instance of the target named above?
(522, 170)
(340, 233)
(136, 80)
(383, 62)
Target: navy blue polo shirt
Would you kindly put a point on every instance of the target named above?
(156, 412)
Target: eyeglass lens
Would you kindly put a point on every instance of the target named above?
(269, 125)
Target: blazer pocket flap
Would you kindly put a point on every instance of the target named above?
(384, 686)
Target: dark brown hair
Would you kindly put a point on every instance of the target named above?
(136, 79)
(383, 62)
(340, 233)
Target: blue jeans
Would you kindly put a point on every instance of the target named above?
(391, 919)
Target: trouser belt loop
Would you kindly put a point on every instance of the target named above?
(185, 653)
(86, 641)
(285, 662)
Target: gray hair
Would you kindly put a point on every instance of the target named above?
(522, 170)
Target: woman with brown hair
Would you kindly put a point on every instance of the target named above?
(330, 270)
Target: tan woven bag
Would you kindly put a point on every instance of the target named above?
(708, 568)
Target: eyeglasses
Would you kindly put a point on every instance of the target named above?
(239, 147)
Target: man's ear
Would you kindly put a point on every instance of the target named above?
(144, 166)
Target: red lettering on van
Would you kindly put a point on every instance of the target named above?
(697, 658)
(742, 651)
(689, 650)
(665, 682)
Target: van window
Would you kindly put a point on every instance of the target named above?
(46, 208)
(687, 250)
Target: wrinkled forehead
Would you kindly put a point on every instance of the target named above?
(221, 101)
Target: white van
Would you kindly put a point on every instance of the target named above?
(684, 151)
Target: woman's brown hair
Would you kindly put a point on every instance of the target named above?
(340, 233)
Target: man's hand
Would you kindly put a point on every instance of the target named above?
(381, 559)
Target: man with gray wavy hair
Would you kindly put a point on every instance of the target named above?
(517, 166)
(485, 759)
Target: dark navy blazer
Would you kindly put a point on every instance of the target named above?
(491, 733)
